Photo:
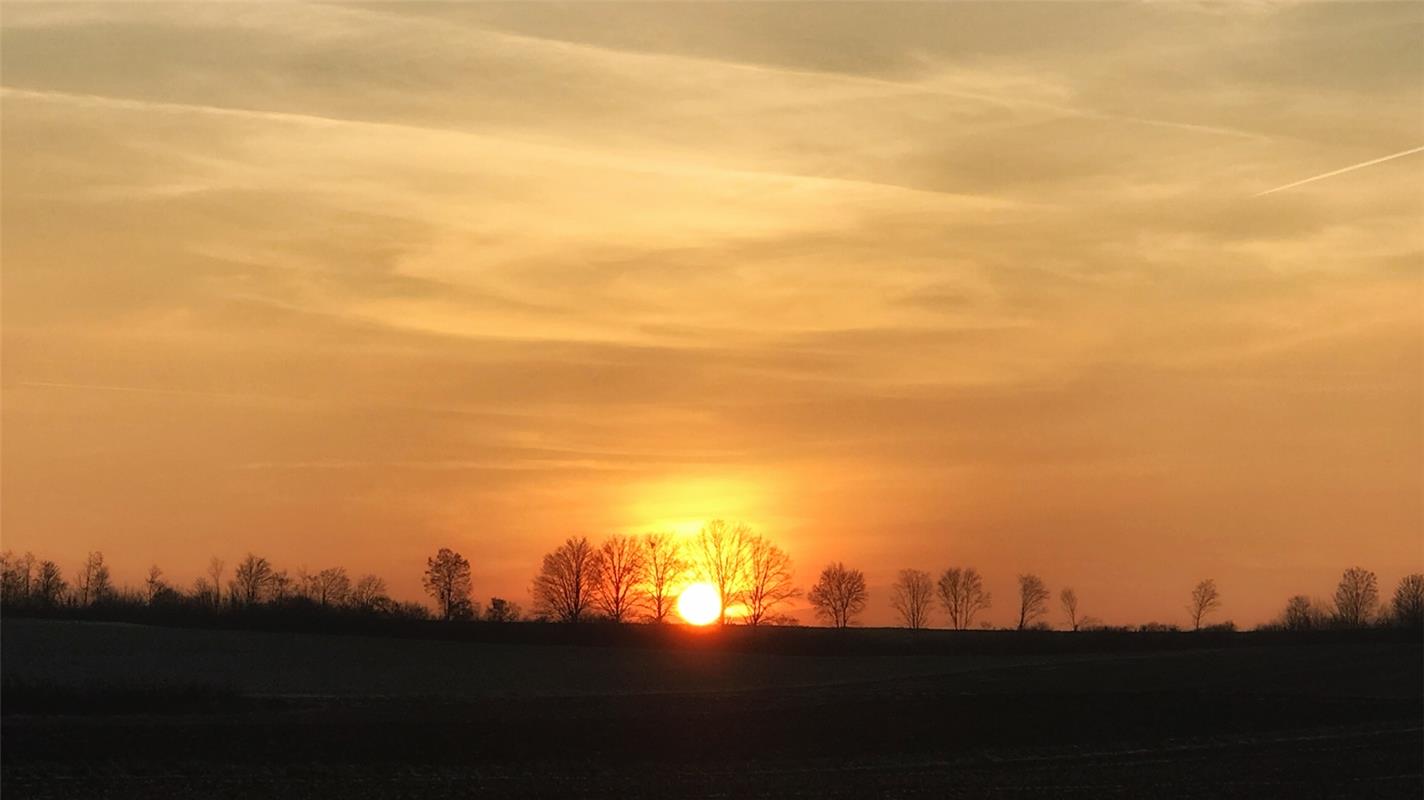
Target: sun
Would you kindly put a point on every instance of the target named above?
(699, 604)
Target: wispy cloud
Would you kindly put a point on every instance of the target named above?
(484, 274)
(96, 387)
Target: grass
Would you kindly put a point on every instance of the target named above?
(103, 697)
(129, 711)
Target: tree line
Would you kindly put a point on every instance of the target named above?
(638, 579)
(1356, 603)
(30, 583)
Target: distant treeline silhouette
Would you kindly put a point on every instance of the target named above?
(627, 579)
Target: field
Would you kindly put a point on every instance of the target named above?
(115, 710)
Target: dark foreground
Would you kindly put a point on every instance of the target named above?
(128, 711)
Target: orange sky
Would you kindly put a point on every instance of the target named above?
(920, 285)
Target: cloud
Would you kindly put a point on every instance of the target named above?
(907, 281)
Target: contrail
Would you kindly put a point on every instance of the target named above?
(1343, 169)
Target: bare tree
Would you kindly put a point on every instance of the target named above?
(667, 569)
(304, 583)
(368, 594)
(961, 592)
(501, 610)
(329, 587)
(48, 586)
(281, 587)
(1205, 600)
(154, 582)
(1408, 601)
(769, 581)
(202, 590)
(16, 576)
(215, 573)
(1033, 599)
(912, 596)
(251, 580)
(1069, 600)
(92, 584)
(1298, 615)
(1356, 598)
(723, 555)
(447, 581)
(8, 593)
(840, 595)
(618, 583)
(566, 583)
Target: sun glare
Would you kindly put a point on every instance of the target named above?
(699, 604)
(683, 504)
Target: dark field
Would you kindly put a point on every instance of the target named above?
(110, 710)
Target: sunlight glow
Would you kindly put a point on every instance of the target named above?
(699, 604)
(683, 504)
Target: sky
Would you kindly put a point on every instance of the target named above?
(1003, 286)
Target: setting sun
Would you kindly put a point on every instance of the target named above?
(712, 398)
(699, 604)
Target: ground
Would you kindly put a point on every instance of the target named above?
(114, 710)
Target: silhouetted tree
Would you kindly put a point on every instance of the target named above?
(1298, 615)
(203, 591)
(7, 558)
(167, 596)
(48, 586)
(839, 595)
(16, 577)
(723, 555)
(92, 584)
(618, 588)
(10, 592)
(501, 610)
(447, 581)
(1408, 604)
(1069, 600)
(1205, 600)
(407, 610)
(566, 583)
(153, 583)
(912, 596)
(667, 570)
(961, 592)
(769, 581)
(1356, 598)
(281, 587)
(368, 594)
(304, 583)
(251, 581)
(1033, 599)
(215, 573)
(331, 586)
